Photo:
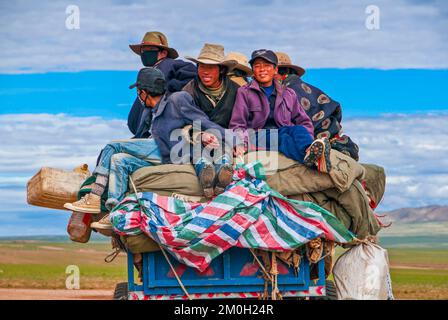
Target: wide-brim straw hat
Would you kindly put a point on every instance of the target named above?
(156, 39)
(285, 61)
(243, 63)
(213, 54)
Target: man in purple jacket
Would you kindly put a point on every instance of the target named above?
(265, 104)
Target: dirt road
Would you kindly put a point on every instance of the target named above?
(40, 294)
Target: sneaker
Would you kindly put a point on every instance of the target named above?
(318, 155)
(103, 226)
(90, 203)
(324, 163)
(206, 179)
(223, 178)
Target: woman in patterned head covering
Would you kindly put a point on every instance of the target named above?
(324, 112)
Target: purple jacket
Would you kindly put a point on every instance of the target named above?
(251, 109)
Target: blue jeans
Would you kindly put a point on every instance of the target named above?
(119, 159)
(145, 149)
(218, 164)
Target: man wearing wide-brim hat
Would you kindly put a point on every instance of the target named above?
(241, 73)
(285, 65)
(214, 93)
(171, 112)
(325, 112)
(154, 51)
(212, 90)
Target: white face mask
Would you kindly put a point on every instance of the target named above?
(141, 101)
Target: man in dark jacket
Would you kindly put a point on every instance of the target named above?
(170, 112)
(155, 52)
(325, 113)
(212, 90)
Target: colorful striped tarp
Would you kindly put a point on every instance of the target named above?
(248, 214)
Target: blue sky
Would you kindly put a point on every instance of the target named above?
(362, 92)
(63, 93)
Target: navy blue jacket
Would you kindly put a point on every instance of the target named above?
(177, 74)
(175, 111)
(325, 113)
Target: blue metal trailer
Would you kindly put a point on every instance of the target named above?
(233, 274)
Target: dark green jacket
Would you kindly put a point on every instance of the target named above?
(222, 112)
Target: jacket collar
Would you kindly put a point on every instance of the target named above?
(161, 105)
(256, 86)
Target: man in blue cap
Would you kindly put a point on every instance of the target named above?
(272, 110)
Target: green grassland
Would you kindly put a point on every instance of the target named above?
(432, 235)
(417, 273)
(36, 264)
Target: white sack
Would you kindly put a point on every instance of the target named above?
(362, 273)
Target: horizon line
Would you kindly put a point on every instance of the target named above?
(36, 72)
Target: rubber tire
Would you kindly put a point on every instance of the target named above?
(331, 293)
(121, 291)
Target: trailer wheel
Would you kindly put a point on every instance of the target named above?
(331, 293)
(121, 291)
(331, 290)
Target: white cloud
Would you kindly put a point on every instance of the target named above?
(32, 141)
(37, 140)
(412, 149)
(315, 33)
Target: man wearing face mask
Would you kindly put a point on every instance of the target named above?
(121, 158)
(155, 52)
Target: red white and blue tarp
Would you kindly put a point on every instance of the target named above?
(248, 214)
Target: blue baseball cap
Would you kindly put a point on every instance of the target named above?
(265, 54)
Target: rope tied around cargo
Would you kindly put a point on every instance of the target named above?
(111, 256)
(270, 276)
(117, 247)
(161, 248)
(275, 293)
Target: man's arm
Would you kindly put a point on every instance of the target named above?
(191, 113)
(240, 114)
(134, 116)
(239, 120)
(184, 72)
